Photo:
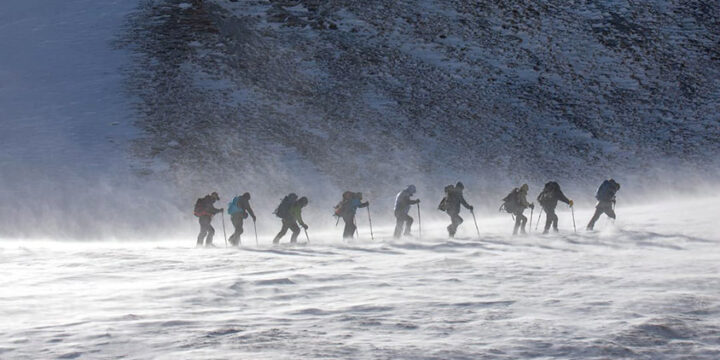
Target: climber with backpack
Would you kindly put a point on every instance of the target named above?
(290, 211)
(451, 204)
(239, 209)
(402, 209)
(516, 203)
(346, 210)
(205, 210)
(548, 199)
(605, 196)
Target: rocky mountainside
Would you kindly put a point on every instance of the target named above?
(364, 94)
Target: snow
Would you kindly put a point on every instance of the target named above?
(644, 288)
(104, 148)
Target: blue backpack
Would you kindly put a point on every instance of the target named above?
(232, 206)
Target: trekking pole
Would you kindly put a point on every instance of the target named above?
(538, 219)
(357, 228)
(372, 236)
(419, 223)
(222, 216)
(306, 235)
(255, 228)
(573, 216)
(476, 225)
(532, 209)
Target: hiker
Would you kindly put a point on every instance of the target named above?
(205, 210)
(548, 199)
(290, 211)
(451, 204)
(516, 203)
(239, 210)
(347, 208)
(402, 208)
(605, 196)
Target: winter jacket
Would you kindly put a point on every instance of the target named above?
(455, 198)
(207, 209)
(403, 202)
(551, 199)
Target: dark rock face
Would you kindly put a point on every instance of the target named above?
(376, 92)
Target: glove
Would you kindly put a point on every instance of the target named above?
(418, 201)
(305, 226)
(532, 206)
(254, 218)
(571, 203)
(471, 208)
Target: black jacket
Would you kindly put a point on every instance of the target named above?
(548, 199)
(455, 198)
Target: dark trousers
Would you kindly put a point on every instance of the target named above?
(455, 221)
(350, 227)
(205, 230)
(520, 221)
(403, 220)
(290, 224)
(603, 207)
(237, 221)
(552, 220)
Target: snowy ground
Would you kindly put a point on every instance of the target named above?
(645, 288)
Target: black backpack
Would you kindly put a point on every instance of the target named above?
(548, 192)
(607, 190)
(510, 202)
(443, 203)
(283, 210)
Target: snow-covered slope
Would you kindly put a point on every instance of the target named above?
(646, 289)
(372, 95)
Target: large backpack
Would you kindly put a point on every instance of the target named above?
(510, 202)
(283, 210)
(606, 191)
(200, 207)
(548, 193)
(443, 203)
(233, 208)
(340, 209)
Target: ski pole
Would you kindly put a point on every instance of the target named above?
(538, 219)
(306, 235)
(476, 225)
(255, 228)
(419, 223)
(372, 236)
(222, 216)
(573, 216)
